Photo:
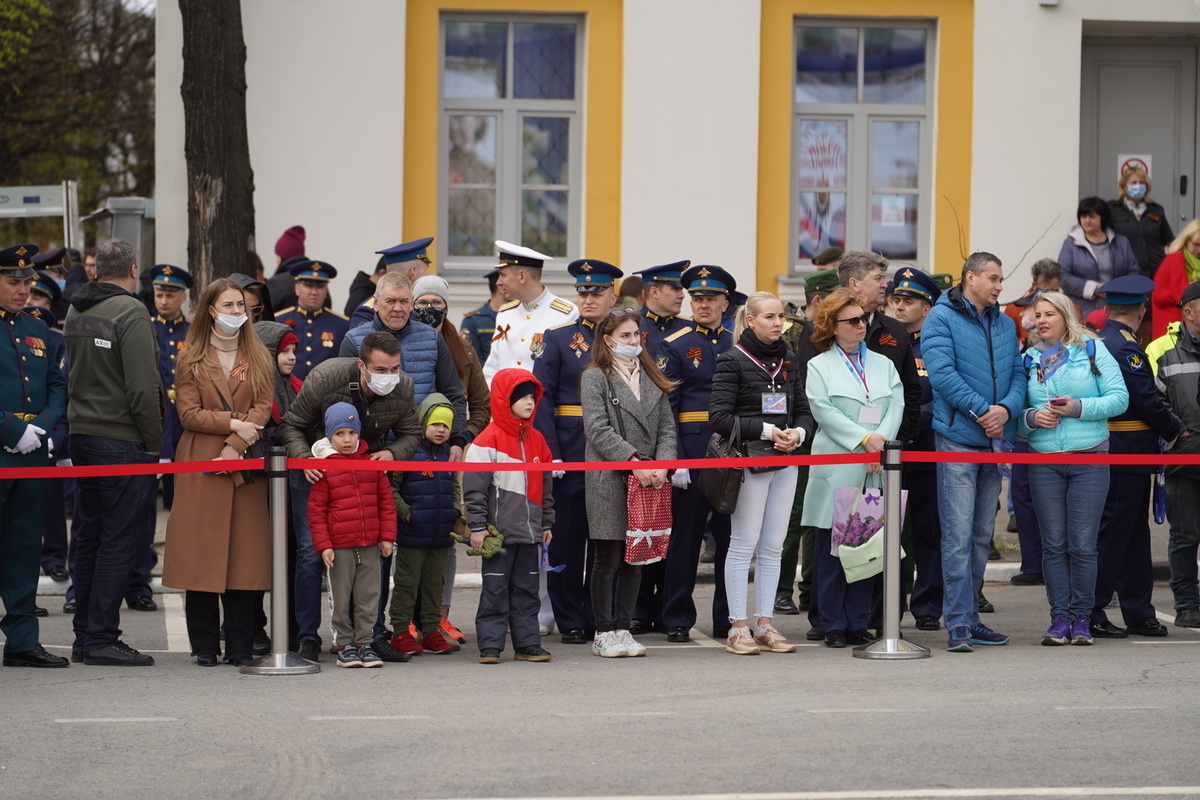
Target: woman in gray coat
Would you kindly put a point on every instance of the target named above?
(626, 417)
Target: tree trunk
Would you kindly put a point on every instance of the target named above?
(220, 180)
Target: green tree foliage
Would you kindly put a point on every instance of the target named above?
(76, 102)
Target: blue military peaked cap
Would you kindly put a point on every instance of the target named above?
(592, 275)
(44, 314)
(406, 251)
(45, 285)
(705, 279)
(913, 282)
(17, 261)
(51, 258)
(1127, 290)
(316, 271)
(667, 273)
(166, 276)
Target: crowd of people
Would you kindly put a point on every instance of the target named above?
(875, 355)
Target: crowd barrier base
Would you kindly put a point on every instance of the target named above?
(891, 646)
(279, 661)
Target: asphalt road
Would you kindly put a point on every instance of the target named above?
(1015, 721)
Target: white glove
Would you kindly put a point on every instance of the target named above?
(63, 462)
(681, 479)
(50, 444)
(558, 474)
(31, 439)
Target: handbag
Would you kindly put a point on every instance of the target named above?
(721, 485)
(267, 438)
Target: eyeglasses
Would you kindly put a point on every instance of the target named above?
(438, 303)
(616, 312)
(855, 321)
(256, 310)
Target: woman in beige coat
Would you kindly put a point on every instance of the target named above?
(218, 534)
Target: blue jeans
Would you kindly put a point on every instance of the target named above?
(967, 497)
(1184, 516)
(309, 567)
(112, 519)
(1069, 499)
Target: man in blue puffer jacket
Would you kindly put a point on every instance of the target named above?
(974, 366)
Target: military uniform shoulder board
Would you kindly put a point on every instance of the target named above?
(561, 325)
(369, 302)
(678, 333)
(335, 314)
(471, 313)
(558, 304)
(287, 310)
(1129, 336)
(510, 304)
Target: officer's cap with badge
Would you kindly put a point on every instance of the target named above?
(664, 273)
(170, 277)
(827, 256)
(17, 261)
(913, 282)
(1028, 299)
(707, 279)
(824, 280)
(942, 280)
(407, 251)
(45, 285)
(514, 255)
(1127, 290)
(44, 314)
(593, 276)
(313, 272)
(51, 259)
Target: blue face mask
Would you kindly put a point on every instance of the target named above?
(62, 284)
(1136, 191)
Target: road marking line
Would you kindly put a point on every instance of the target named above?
(1108, 708)
(369, 717)
(176, 624)
(1193, 641)
(702, 640)
(889, 794)
(72, 721)
(616, 714)
(850, 710)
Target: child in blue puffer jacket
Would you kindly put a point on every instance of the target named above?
(427, 505)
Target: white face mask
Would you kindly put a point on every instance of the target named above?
(627, 350)
(230, 324)
(381, 385)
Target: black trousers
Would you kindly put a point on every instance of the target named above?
(203, 612)
(568, 589)
(614, 586)
(1123, 546)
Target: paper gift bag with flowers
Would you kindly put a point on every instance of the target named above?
(857, 535)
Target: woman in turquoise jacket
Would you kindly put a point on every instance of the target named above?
(1074, 386)
(857, 401)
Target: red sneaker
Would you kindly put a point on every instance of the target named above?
(435, 643)
(406, 643)
(451, 632)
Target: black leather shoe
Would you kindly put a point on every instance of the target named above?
(815, 634)
(802, 604)
(927, 622)
(835, 639)
(238, 661)
(720, 633)
(38, 611)
(117, 654)
(785, 605)
(1187, 618)
(207, 660)
(861, 636)
(639, 627)
(262, 643)
(1106, 630)
(1147, 627)
(993, 553)
(58, 574)
(142, 604)
(77, 655)
(311, 650)
(37, 657)
(70, 606)
(1027, 579)
(679, 634)
(984, 606)
(573, 636)
(383, 648)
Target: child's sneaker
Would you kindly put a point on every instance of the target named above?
(348, 657)
(1058, 633)
(435, 643)
(406, 642)
(531, 653)
(369, 657)
(607, 645)
(632, 648)
(451, 632)
(489, 656)
(1081, 631)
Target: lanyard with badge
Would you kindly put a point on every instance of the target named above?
(773, 401)
(868, 414)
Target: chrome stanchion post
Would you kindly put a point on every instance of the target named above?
(279, 661)
(891, 645)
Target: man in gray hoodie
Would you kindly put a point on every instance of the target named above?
(116, 415)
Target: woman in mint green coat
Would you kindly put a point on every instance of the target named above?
(857, 401)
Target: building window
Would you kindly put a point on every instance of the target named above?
(511, 127)
(862, 139)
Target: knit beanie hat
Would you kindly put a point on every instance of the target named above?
(440, 414)
(432, 284)
(291, 244)
(341, 415)
(521, 390)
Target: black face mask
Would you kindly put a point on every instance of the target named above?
(429, 315)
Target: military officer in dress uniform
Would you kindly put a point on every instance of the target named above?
(319, 330)
(33, 395)
(565, 354)
(479, 326)
(409, 258)
(690, 357)
(664, 299)
(170, 285)
(531, 310)
(53, 264)
(1123, 544)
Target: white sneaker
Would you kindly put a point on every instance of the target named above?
(632, 648)
(544, 629)
(608, 645)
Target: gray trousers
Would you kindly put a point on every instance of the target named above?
(354, 594)
(509, 598)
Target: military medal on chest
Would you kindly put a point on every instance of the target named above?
(327, 339)
(579, 345)
(537, 345)
(695, 355)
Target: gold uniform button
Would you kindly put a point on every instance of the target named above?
(518, 363)
(22, 358)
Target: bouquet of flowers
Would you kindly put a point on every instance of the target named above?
(857, 527)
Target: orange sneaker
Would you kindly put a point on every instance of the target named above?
(435, 643)
(451, 632)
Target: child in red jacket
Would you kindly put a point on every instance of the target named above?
(352, 514)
